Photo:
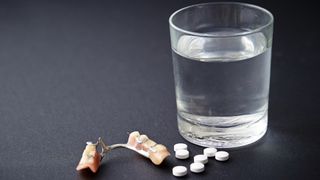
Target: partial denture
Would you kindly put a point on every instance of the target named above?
(136, 142)
(155, 152)
(90, 158)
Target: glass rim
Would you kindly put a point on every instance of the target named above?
(258, 29)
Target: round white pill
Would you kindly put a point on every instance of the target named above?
(197, 167)
(182, 154)
(200, 158)
(222, 155)
(180, 146)
(210, 152)
(179, 171)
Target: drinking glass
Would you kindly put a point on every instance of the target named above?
(221, 61)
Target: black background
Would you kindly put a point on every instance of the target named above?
(71, 71)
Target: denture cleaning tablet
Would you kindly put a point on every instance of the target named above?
(180, 146)
(179, 171)
(222, 155)
(197, 167)
(200, 158)
(210, 152)
(182, 154)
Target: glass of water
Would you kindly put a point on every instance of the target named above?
(221, 60)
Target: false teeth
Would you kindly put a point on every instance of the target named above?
(90, 158)
(139, 143)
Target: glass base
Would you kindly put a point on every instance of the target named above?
(223, 132)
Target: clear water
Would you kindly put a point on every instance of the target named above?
(222, 87)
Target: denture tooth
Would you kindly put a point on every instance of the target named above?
(132, 140)
(158, 153)
(140, 140)
(143, 138)
(90, 159)
(149, 143)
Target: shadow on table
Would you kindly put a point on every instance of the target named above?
(87, 174)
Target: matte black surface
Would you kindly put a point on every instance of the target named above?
(71, 71)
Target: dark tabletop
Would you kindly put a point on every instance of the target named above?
(71, 71)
